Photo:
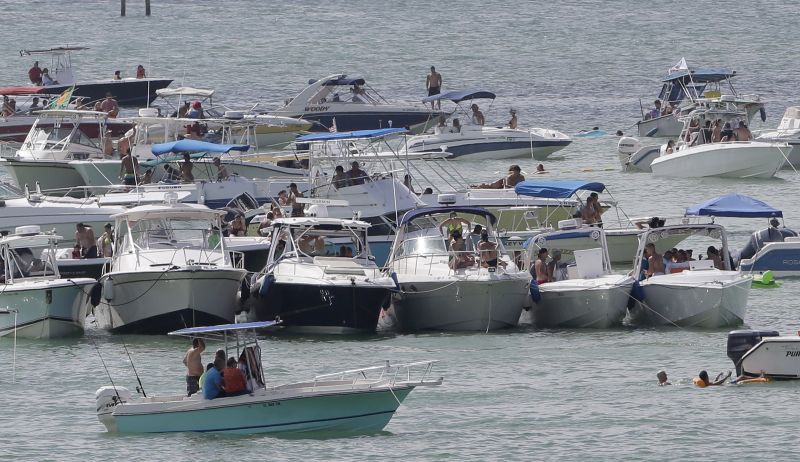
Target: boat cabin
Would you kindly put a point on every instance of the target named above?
(319, 240)
(56, 135)
(20, 261)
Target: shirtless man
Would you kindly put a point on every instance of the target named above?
(297, 207)
(459, 259)
(128, 169)
(477, 115)
(589, 212)
(194, 366)
(84, 236)
(514, 176)
(434, 85)
(488, 251)
(110, 105)
(655, 262)
(512, 124)
(222, 172)
(742, 133)
(186, 169)
(540, 267)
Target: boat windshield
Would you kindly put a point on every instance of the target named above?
(9, 191)
(57, 137)
(175, 233)
(317, 241)
(20, 263)
(428, 245)
(570, 254)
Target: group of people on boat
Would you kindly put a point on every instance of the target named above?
(675, 260)
(712, 132)
(660, 109)
(41, 77)
(86, 246)
(224, 377)
(462, 251)
(544, 271)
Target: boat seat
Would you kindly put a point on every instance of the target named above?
(339, 265)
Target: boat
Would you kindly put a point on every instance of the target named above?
(127, 91)
(353, 401)
(686, 87)
(585, 293)
(444, 290)
(478, 142)
(37, 301)
(339, 102)
(788, 131)
(170, 268)
(320, 277)
(764, 354)
(697, 294)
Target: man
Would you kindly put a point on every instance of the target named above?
(222, 172)
(186, 169)
(702, 380)
(212, 382)
(589, 212)
(294, 194)
(477, 115)
(713, 254)
(339, 179)
(598, 209)
(662, 378)
(356, 175)
(655, 262)
(194, 366)
(183, 110)
(488, 251)
(655, 112)
(110, 106)
(434, 85)
(128, 169)
(234, 381)
(512, 124)
(35, 106)
(84, 236)
(514, 176)
(35, 74)
(117, 75)
(540, 267)
(105, 240)
(743, 133)
(266, 224)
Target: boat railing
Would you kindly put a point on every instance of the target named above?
(419, 372)
(8, 149)
(459, 262)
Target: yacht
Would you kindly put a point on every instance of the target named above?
(170, 268)
(788, 131)
(446, 290)
(321, 278)
(37, 302)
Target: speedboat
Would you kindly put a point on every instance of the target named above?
(321, 278)
(37, 302)
(341, 103)
(685, 87)
(170, 268)
(764, 354)
(446, 290)
(584, 291)
(478, 142)
(696, 293)
(788, 131)
(354, 401)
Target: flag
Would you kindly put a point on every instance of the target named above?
(333, 128)
(62, 102)
(680, 66)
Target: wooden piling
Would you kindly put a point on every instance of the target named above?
(147, 7)
(122, 8)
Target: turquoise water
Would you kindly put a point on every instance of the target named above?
(518, 395)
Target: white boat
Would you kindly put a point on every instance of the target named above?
(341, 103)
(477, 142)
(764, 354)
(348, 402)
(321, 277)
(788, 131)
(699, 295)
(584, 292)
(170, 269)
(436, 294)
(37, 302)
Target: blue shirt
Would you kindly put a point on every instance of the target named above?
(212, 383)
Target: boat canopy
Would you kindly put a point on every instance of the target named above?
(699, 75)
(354, 135)
(734, 205)
(427, 211)
(23, 241)
(457, 96)
(344, 80)
(188, 146)
(556, 189)
(99, 115)
(21, 91)
(51, 51)
(197, 331)
(185, 91)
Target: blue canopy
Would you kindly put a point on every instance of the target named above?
(457, 96)
(700, 75)
(734, 205)
(426, 211)
(556, 189)
(182, 146)
(358, 134)
(224, 328)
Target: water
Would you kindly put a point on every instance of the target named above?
(517, 395)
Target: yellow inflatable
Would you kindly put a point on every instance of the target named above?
(699, 382)
(754, 380)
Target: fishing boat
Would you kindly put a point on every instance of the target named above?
(764, 354)
(788, 131)
(467, 141)
(320, 277)
(353, 401)
(342, 103)
(170, 268)
(584, 291)
(696, 294)
(37, 301)
(479, 288)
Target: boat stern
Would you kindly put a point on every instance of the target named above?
(107, 399)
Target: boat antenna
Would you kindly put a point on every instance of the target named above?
(141, 387)
(105, 367)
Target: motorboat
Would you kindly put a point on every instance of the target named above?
(37, 302)
(583, 292)
(339, 102)
(764, 354)
(127, 91)
(683, 88)
(170, 268)
(353, 401)
(695, 293)
(467, 141)
(479, 288)
(788, 131)
(320, 277)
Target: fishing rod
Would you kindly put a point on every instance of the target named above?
(141, 387)
(105, 367)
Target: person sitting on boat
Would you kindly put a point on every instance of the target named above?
(356, 176)
(110, 106)
(35, 74)
(694, 127)
(222, 172)
(454, 223)
(742, 133)
(514, 176)
(655, 262)
(727, 133)
(589, 214)
(662, 378)
(713, 254)
(488, 251)
(84, 235)
(196, 111)
(8, 109)
(46, 79)
(670, 149)
(238, 228)
(655, 111)
(186, 169)
(194, 366)
(716, 132)
(35, 105)
(460, 257)
(212, 380)
(456, 126)
(554, 273)
(407, 183)
(702, 380)
(140, 73)
(512, 124)
(540, 267)
(339, 179)
(234, 382)
(117, 75)
(477, 115)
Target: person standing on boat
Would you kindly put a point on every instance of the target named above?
(294, 194)
(186, 169)
(512, 124)
(105, 240)
(140, 74)
(110, 106)
(356, 175)
(84, 235)
(540, 267)
(434, 85)
(194, 366)
(128, 169)
(477, 115)
(35, 74)
(222, 172)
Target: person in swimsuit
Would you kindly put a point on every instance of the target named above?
(434, 85)
(662, 378)
(488, 251)
(477, 115)
(540, 266)
(460, 258)
(655, 262)
(702, 380)
(128, 169)
(186, 169)
(454, 223)
(297, 207)
(194, 366)
(512, 124)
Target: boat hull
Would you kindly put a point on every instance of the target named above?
(127, 92)
(776, 357)
(729, 160)
(417, 120)
(667, 126)
(782, 258)
(563, 304)
(47, 310)
(481, 149)
(49, 174)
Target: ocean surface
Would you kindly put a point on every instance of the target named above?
(524, 394)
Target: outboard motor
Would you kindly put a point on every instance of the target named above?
(741, 341)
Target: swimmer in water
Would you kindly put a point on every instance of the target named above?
(702, 380)
(662, 378)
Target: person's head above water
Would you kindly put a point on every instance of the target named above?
(662, 376)
(703, 376)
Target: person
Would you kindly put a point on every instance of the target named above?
(283, 198)
(619, 133)
(238, 228)
(186, 169)
(84, 235)
(453, 223)
(407, 183)
(117, 76)
(140, 74)
(540, 169)
(655, 262)
(694, 126)
(742, 133)
(110, 106)
(460, 258)
(552, 266)
(514, 176)
(266, 223)
(148, 176)
(434, 85)
(702, 380)
(294, 194)
(8, 108)
(512, 124)
(662, 378)
(222, 172)
(213, 385)
(35, 106)
(76, 252)
(194, 365)
(456, 126)
(589, 213)
(172, 174)
(477, 115)
(727, 133)
(427, 191)
(105, 240)
(196, 111)
(488, 251)
(233, 379)
(540, 267)
(655, 111)
(128, 169)
(713, 255)
(356, 175)
(35, 74)
(716, 132)
(598, 208)
(339, 179)
(183, 110)
(670, 147)
(46, 79)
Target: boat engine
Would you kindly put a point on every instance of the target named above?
(106, 399)
(742, 341)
